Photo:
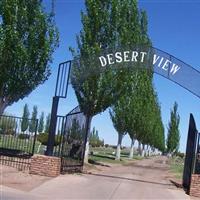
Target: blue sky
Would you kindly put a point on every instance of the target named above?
(174, 26)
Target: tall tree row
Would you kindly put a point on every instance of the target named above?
(133, 112)
(28, 122)
(110, 24)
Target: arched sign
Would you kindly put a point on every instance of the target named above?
(161, 63)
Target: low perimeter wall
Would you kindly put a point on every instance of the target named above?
(195, 185)
(45, 165)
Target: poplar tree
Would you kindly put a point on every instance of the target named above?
(41, 123)
(33, 121)
(119, 118)
(25, 118)
(173, 137)
(47, 124)
(97, 91)
(28, 38)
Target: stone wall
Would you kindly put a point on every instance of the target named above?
(195, 185)
(45, 165)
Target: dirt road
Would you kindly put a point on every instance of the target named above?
(146, 179)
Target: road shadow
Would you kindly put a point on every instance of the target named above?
(147, 167)
(129, 179)
(177, 184)
(93, 162)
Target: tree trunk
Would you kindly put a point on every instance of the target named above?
(139, 148)
(87, 139)
(3, 106)
(131, 150)
(148, 151)
(142, 151)
(118, 151)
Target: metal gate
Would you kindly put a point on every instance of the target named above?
(70, 140)
(73, 144)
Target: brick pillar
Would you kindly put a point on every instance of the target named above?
(45, 165)
(195, 185)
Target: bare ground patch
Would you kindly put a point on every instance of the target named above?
(24, 181)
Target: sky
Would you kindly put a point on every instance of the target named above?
(173, 26)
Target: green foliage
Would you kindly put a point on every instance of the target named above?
(47, 124)
(33, 121)
(7, 125)
(23, 136)
(43, 139)
(181, 155)
(177, 166)
(173, 137)
(25, 118)
(75, 132)
(137, 111)
(95, 91)
(119, 116)
(41, 123)
(94, 139)
(109, 25)
(28, 38)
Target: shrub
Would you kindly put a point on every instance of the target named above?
(43, 138)
(23, 136)
(179, 154)
(9, 132)
(106, 145)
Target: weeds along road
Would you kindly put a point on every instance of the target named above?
(144, 179)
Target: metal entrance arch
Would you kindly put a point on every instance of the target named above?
(136, 57)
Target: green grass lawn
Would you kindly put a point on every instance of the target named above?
(25, 145)
(100, 154)
(13, 142)
(107, 155)
(176, 166)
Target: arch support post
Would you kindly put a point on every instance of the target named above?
(52, 127)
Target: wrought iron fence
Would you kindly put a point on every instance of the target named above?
(17, 141)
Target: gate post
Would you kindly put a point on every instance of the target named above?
(190, 153)
(197, 163)
(52, 127)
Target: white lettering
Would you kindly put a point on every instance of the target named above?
(134, 56)
(143, 54)
(118, 56)
(110, 61)
(166, 65)
(103, 61)
(126, 56)
(161, 60)
(155, 59)
(174, 69)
